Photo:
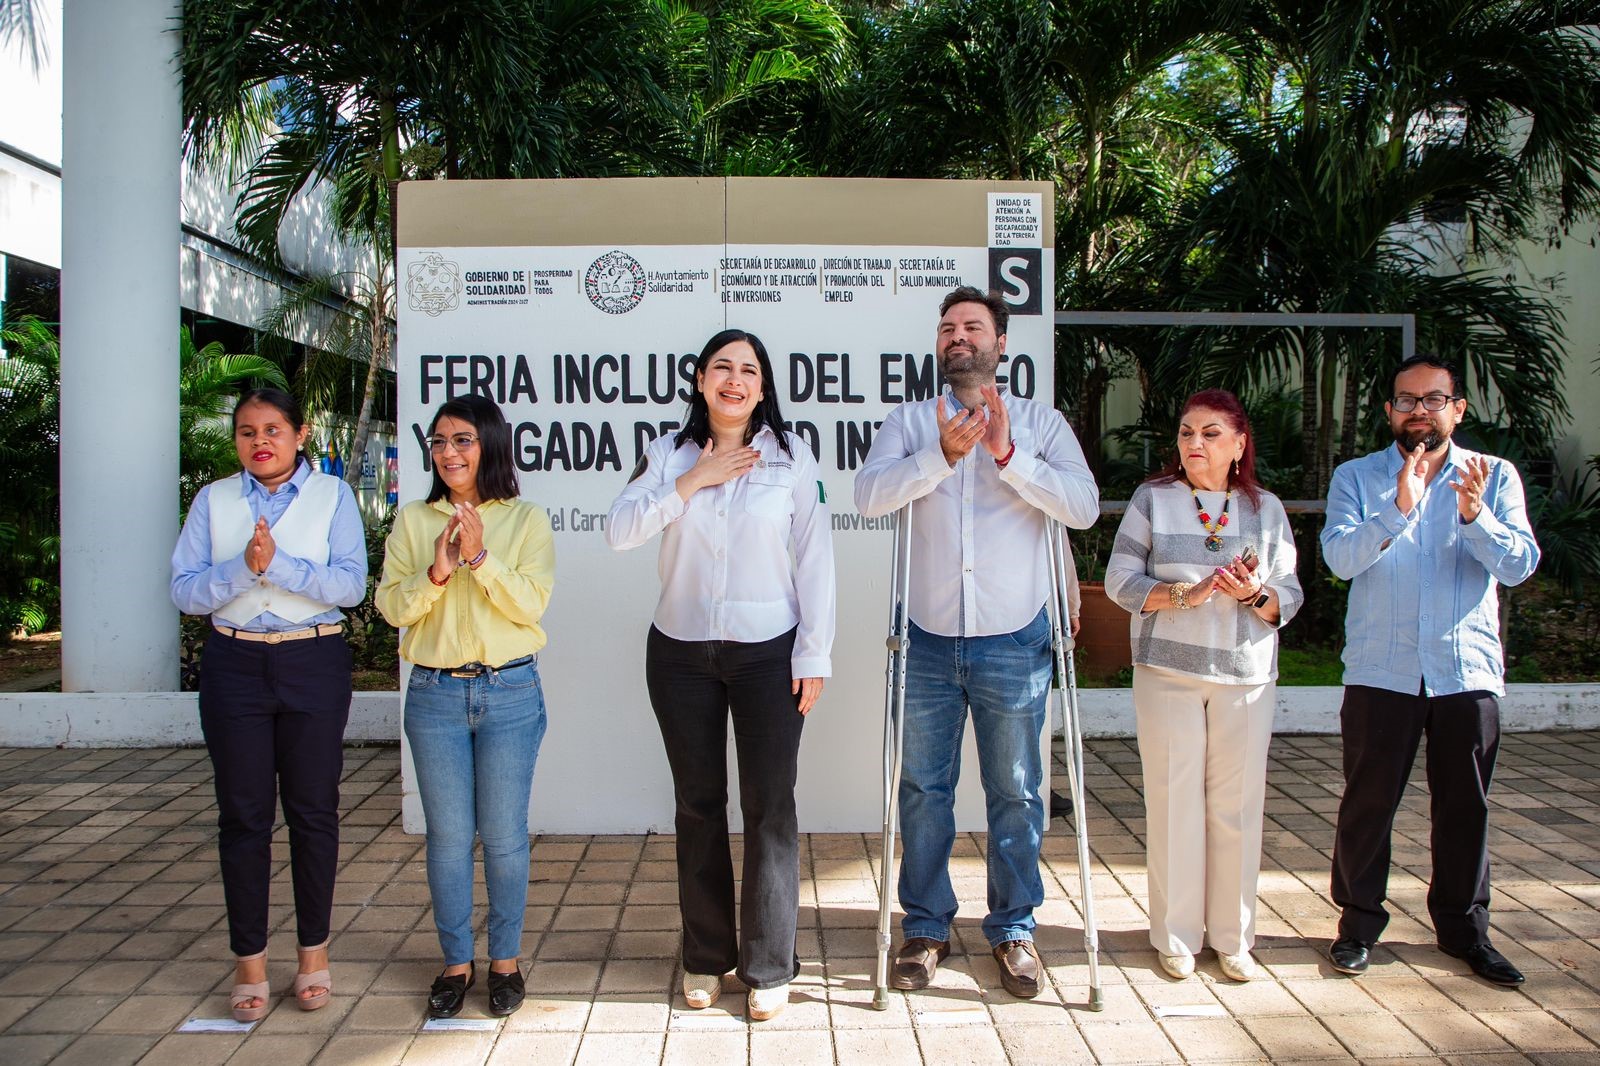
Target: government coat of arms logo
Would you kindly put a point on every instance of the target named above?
(614, 283)
(433, 285)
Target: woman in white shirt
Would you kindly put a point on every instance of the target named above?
(744, 625)
(1205, 561)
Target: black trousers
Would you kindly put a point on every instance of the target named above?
(1381, 733)
(693, 687)
(273, 716)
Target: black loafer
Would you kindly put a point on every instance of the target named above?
(1488, 964)
(1349, 955)
(506, 992)
(449, 994)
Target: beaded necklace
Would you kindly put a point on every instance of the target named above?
(1213, 532)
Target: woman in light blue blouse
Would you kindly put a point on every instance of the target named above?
(271, 554)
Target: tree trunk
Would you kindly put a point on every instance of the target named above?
(1330, 379)
(1354, 389)
(377, 358)
(1310, 367)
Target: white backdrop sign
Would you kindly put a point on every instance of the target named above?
(580, 306)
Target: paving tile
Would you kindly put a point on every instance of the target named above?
(35, 1050)
(1535, 1031)
(546, 976)
(546, 1049)
(193, 1049)
(808, 1048)
(65, 1014)
(1212, 1040)
(1137, 1041)
(261, 1049)
(1057, 1044)
(638, 975)
(1453, 1033)
(1294, 1038)
(631, 1014)
(890, 1047)
(1367, 1036)
(449, 1049)
(386, 1014)
(962, 1047)
(147, 1014)
(104, 1049)
(367, 1049)
(613, 1049)
(726, 1048)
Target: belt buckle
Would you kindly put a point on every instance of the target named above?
(274, 638)
(470, 670)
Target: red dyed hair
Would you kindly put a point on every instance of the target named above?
(1226, 404)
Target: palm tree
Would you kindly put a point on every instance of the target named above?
(1075, 93)
(1392, 117)
(363, 93)
(30, 438)
(209, 380)
(19, 25)
(748, 81)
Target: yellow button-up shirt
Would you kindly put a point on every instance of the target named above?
(488, 615)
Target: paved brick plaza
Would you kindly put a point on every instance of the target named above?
(112, 934)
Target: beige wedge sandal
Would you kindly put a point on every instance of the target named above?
(316, 979)
(243, 993)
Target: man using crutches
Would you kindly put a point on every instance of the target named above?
(987, 471)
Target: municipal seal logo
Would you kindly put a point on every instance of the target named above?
(614, 283)
(433, 285)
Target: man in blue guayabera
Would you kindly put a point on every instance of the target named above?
(1424, 531)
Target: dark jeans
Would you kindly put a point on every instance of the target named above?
(273, 716)
(693, 687)
(1381, 732)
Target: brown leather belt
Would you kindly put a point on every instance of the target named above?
(327, 629)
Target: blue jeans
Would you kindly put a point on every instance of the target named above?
(474, 741)
(1005, 680)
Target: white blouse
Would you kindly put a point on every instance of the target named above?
(746, 560)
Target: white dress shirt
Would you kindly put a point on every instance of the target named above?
(978, 563)
(726, 568)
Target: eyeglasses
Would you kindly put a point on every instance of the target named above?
(461, 442)
(1434, 401)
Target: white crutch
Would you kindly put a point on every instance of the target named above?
(1061, 639)
(894, 706)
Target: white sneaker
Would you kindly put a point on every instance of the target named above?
(700, 990)
(1178, 966)
(764, 1003)
(1240, 967)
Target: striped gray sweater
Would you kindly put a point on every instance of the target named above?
(1160, 540)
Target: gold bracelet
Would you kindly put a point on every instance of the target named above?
(1178, 593)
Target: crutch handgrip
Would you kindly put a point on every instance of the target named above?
(897, 642)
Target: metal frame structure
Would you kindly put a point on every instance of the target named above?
(1405, 323)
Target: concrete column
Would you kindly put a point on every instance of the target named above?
(121, 126)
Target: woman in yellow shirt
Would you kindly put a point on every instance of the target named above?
(468, 571)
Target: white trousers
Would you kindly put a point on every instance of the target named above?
(1203, 749)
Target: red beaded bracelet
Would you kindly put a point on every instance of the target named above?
(1001, 463)
(435, 580)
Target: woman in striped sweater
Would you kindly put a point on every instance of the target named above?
(1205, 562)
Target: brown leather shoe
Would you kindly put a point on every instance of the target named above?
(1019, 968)
(918, 960)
